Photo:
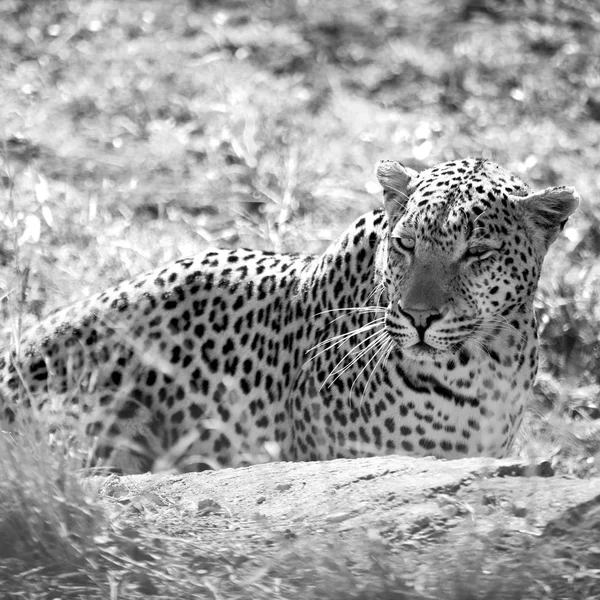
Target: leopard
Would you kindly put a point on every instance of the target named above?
(413, 333)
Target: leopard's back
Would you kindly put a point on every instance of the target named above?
(191, 354)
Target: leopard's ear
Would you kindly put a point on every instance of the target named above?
(395, 180)
(545, 213)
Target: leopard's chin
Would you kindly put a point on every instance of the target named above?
(422, 350)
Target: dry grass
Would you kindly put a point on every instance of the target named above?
(134, 133)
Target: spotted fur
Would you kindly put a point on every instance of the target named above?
(413, 333)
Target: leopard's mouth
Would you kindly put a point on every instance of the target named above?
(423, 350)
(422, 347)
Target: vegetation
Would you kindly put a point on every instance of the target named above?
(137, 132)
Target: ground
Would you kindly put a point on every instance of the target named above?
(137, 132)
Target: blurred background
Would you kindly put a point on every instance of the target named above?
(137, 132)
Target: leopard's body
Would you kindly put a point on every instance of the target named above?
(413, 333)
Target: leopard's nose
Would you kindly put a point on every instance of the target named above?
(421, 317)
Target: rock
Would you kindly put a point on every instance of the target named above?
(418, 510)
(403, 492)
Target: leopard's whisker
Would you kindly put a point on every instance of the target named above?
(344, 336)
(337, 372)
(494, 329)
(360, 309)
(353, 351)
(378, 288)
(501, 320)
(381, 292)
(401, 193)
(340, 342)
(480, 344)
(340, 367)
(384, 350)
(340, 338)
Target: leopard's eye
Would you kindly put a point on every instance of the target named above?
(405, 243)
(478, 252)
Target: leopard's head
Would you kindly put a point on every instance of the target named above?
(466, 241)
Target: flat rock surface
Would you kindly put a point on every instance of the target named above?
(409, 503)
